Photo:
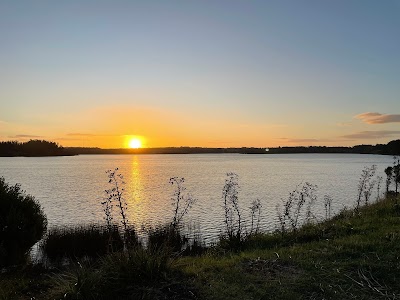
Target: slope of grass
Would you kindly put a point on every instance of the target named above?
(348, 257)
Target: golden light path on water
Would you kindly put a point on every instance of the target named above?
(135, 199)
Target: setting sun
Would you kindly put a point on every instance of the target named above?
(135, 143)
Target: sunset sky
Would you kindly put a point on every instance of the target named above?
(200, 73)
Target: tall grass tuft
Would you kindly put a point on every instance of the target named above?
(118, 275)
(166, 237)
(80, 241)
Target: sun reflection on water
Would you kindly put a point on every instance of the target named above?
(136, 207)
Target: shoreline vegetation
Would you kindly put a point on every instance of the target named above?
(351, 255)
(46, 148)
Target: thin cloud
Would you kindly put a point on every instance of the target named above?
(372, 134)
(377, 118)
(344, 124)
(25, 136)
(80, 134)
(67, 139)
(299, 140)
(212, 142)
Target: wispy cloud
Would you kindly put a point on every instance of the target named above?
(80, 134)
(65, 139)
(289, 140)
(220, 142)
(25, 136)
(372, 134)
(377, 118)
(344, 124)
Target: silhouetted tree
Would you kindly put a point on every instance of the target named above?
(393, 147)
(396, 172)
(389, 177)
(31, 148)
(22, 223)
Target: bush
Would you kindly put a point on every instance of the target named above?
(22, 223)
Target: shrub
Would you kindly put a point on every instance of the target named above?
(290, 213)
(181, 201)
(22, 223)
(366, 185)
(233, 219)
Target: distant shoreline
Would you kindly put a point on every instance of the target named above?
(151, 151)
(392, 148)
(49, 149)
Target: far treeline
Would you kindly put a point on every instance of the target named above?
(391, 148)
(46, 148)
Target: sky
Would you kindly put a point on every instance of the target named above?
(210, 73)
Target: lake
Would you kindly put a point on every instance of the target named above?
(70, 189)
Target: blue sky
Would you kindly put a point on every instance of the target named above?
(200, 73)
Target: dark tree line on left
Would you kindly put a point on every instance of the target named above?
(31, 148)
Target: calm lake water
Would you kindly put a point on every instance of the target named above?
(70, 189)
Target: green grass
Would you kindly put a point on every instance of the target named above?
(348, 257)
(352, 256)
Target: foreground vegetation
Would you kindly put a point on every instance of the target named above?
(354, 255)
(351, 256)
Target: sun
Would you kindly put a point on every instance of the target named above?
(135, 143)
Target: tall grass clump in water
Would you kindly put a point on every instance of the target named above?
(74, 243)
(22, 223)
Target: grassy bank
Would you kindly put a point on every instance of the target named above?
(352, 256)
